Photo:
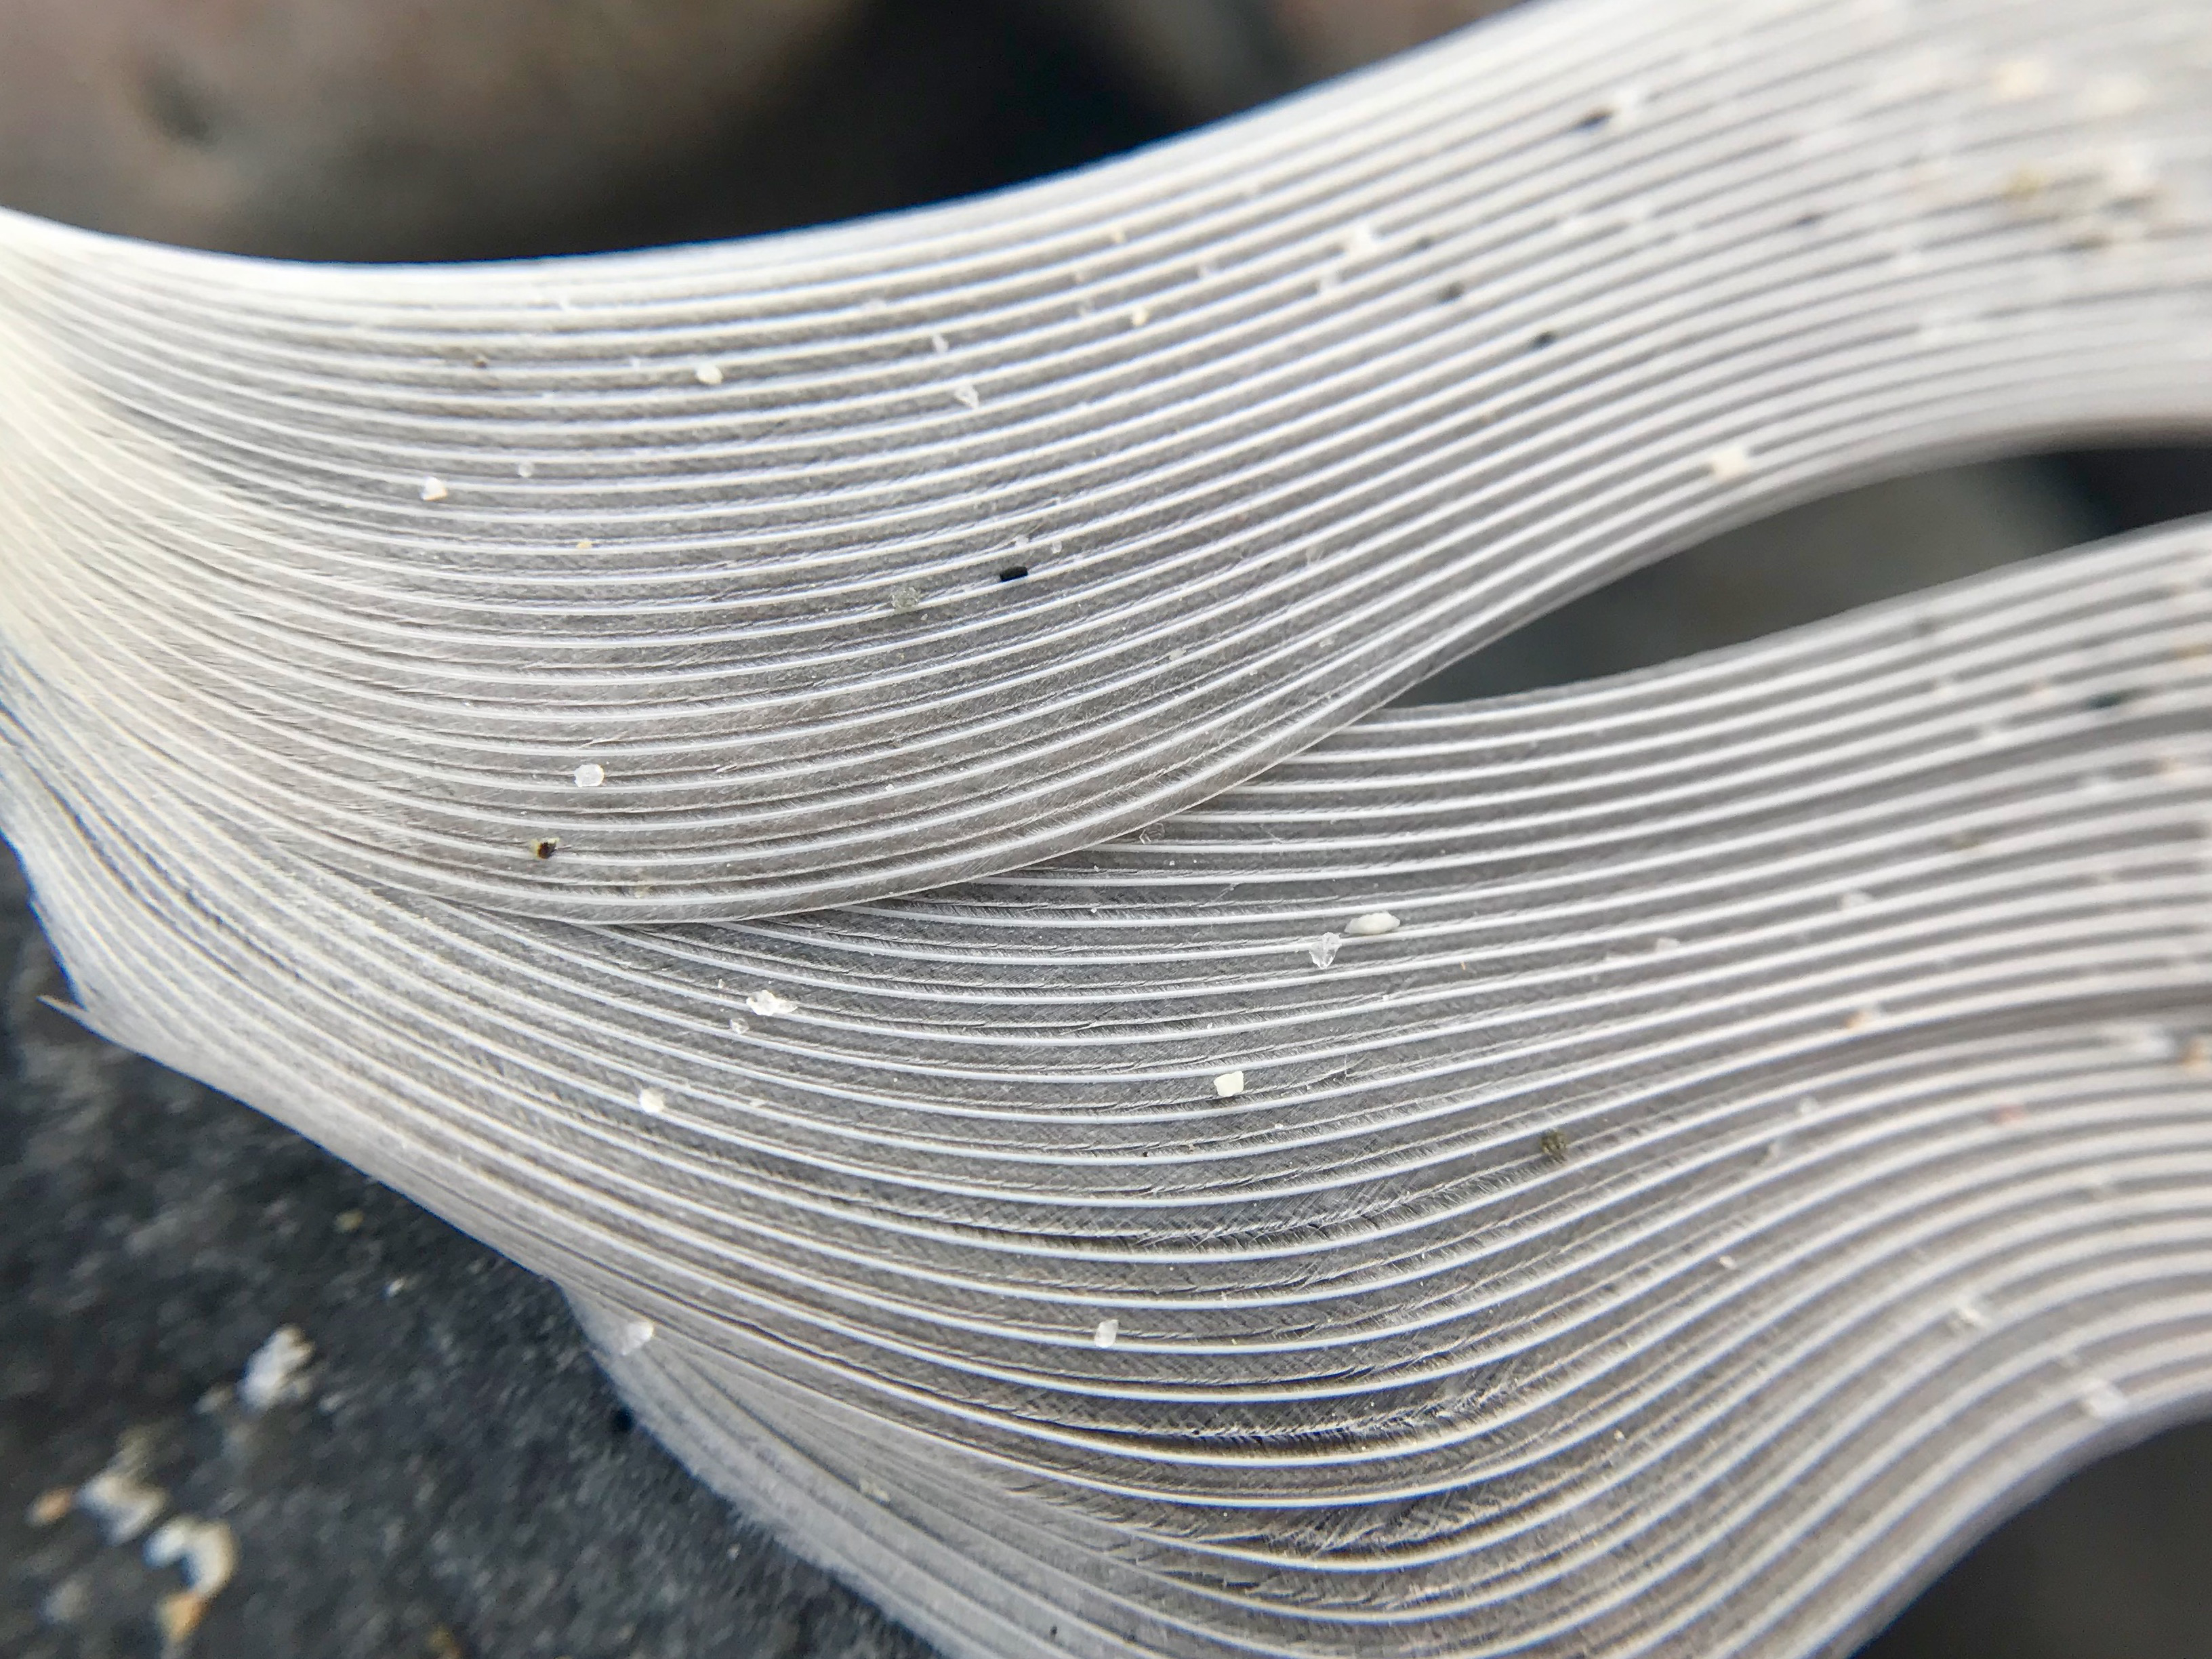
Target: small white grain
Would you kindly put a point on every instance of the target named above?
(1730, 464)
(1229, 1085)
(590, 775)
(1369, 926)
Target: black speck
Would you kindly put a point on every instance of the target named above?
(619, 1420)
(543, 847)
(1424, 242)
(2106, 701)
(484, 362)
(1544, 337)
(1013, 572)
(1807, 220)
(1451, 294)
(177, 108)
(1596, 121)
(1554, 1147)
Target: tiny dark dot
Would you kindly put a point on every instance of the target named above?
(619, 1420)
(177, 107)
(543, 848)
(484, 362)
(1807, 219)
(1451, 294)
(2109, 700)
(1595, 120)
(1013, 572)
(1544, 337)
(1553, 1145)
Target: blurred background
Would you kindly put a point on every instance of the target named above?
(454, 1480)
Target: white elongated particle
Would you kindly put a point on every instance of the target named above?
(1370, 926)
(121, 1503)
(1730, 464)
(433, 489)
(709, 374)
(276, 1374)
(652, 1101)
(768, 1003)
(1108, 1333)
(1324, 950)
(1229, 1085)
(205, 1551)
(633, 1334)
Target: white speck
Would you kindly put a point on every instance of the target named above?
(526, 468)
(964, 392)
(433, 489)
(738, 1026)
(709, 374)
(1664, 943)
(2131, 175)
(393, 1286)
(1116, 235)
(1969, 1315)
(123, 1504)
(1229, 1085)
(939, 344)
(1726, 1261)
(653, 1102)
(206, 1550)
(634, 1335)
(2110, 96)
(2141, 1041)
(1854, 901)
(590, 775)
(1730, 464)
(1140, 315)
(905, 600)
(1863, 1019)
(1360, 241)
(2020, 77)
(767, 1004)
(585, 544)
(1108, 1330)
(1324, 950)
(276, 1374)
(1371, 924)
(2102, 1400)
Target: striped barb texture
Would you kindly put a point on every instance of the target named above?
(831, 795)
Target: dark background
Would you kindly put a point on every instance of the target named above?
(461, 1481)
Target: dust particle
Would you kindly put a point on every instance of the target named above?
(1730, 464)
(276, 1371)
